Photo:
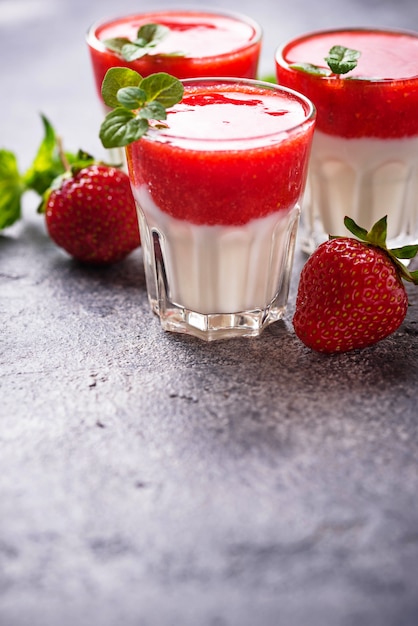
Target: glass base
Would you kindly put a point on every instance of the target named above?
(215, 326)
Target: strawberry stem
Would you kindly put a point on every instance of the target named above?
(376, 237)
(62, 155)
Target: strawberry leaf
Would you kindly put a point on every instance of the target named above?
(355, 229)
(406, 252)
(46, 164)
(49, 163)
(11, 189)
(377, 234)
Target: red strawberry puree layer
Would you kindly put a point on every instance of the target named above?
(379, 98)
(226, 180)
(198, 44)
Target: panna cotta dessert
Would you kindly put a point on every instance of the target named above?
(364, 160)
(191, 43)
(218, 194)
(186, 44)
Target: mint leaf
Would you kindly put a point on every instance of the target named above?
(131, 52)
(164, 88)
(11, 189)
(342, 60)
(151, 34)
(117, 78)
(137, 104)
(308, 68)
(131, 97)
(122, 127)
(153, 111)
(115, 44)
(147, 37)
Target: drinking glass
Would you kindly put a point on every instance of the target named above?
(197, 43)
(218, 193)
(364, 161)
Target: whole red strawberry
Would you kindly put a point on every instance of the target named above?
(91, 214)
(351, 293)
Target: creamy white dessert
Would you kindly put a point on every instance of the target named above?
(363, 178)
(218, 269)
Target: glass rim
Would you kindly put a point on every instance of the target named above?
(280, 60)
(95, 42)
(162, 134)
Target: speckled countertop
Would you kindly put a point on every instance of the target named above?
(150, 479)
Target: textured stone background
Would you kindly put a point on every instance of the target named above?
(149, 479)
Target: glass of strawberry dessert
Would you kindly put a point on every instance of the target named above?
(364, 161)
(218, 191)
(186, 44)
(183, 43)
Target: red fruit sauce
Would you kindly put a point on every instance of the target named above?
(379, 98)
(232, 153)
(210, 44)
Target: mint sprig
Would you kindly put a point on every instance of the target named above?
(147, 38)
(44, 169)
(340, 60)
(138, 104)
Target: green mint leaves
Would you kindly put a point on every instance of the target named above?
(340, 60)
(46, 166)
(137, 103)
(147, 38)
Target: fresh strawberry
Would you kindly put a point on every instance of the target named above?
(351, 293)
(91, 214)
(90, 210)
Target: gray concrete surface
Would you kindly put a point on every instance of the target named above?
(149, 479)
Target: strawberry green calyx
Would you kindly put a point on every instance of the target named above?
(45, 167)
(137, 104)
(376, 237)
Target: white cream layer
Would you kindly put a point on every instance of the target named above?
(365, 179)
(218, 269)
